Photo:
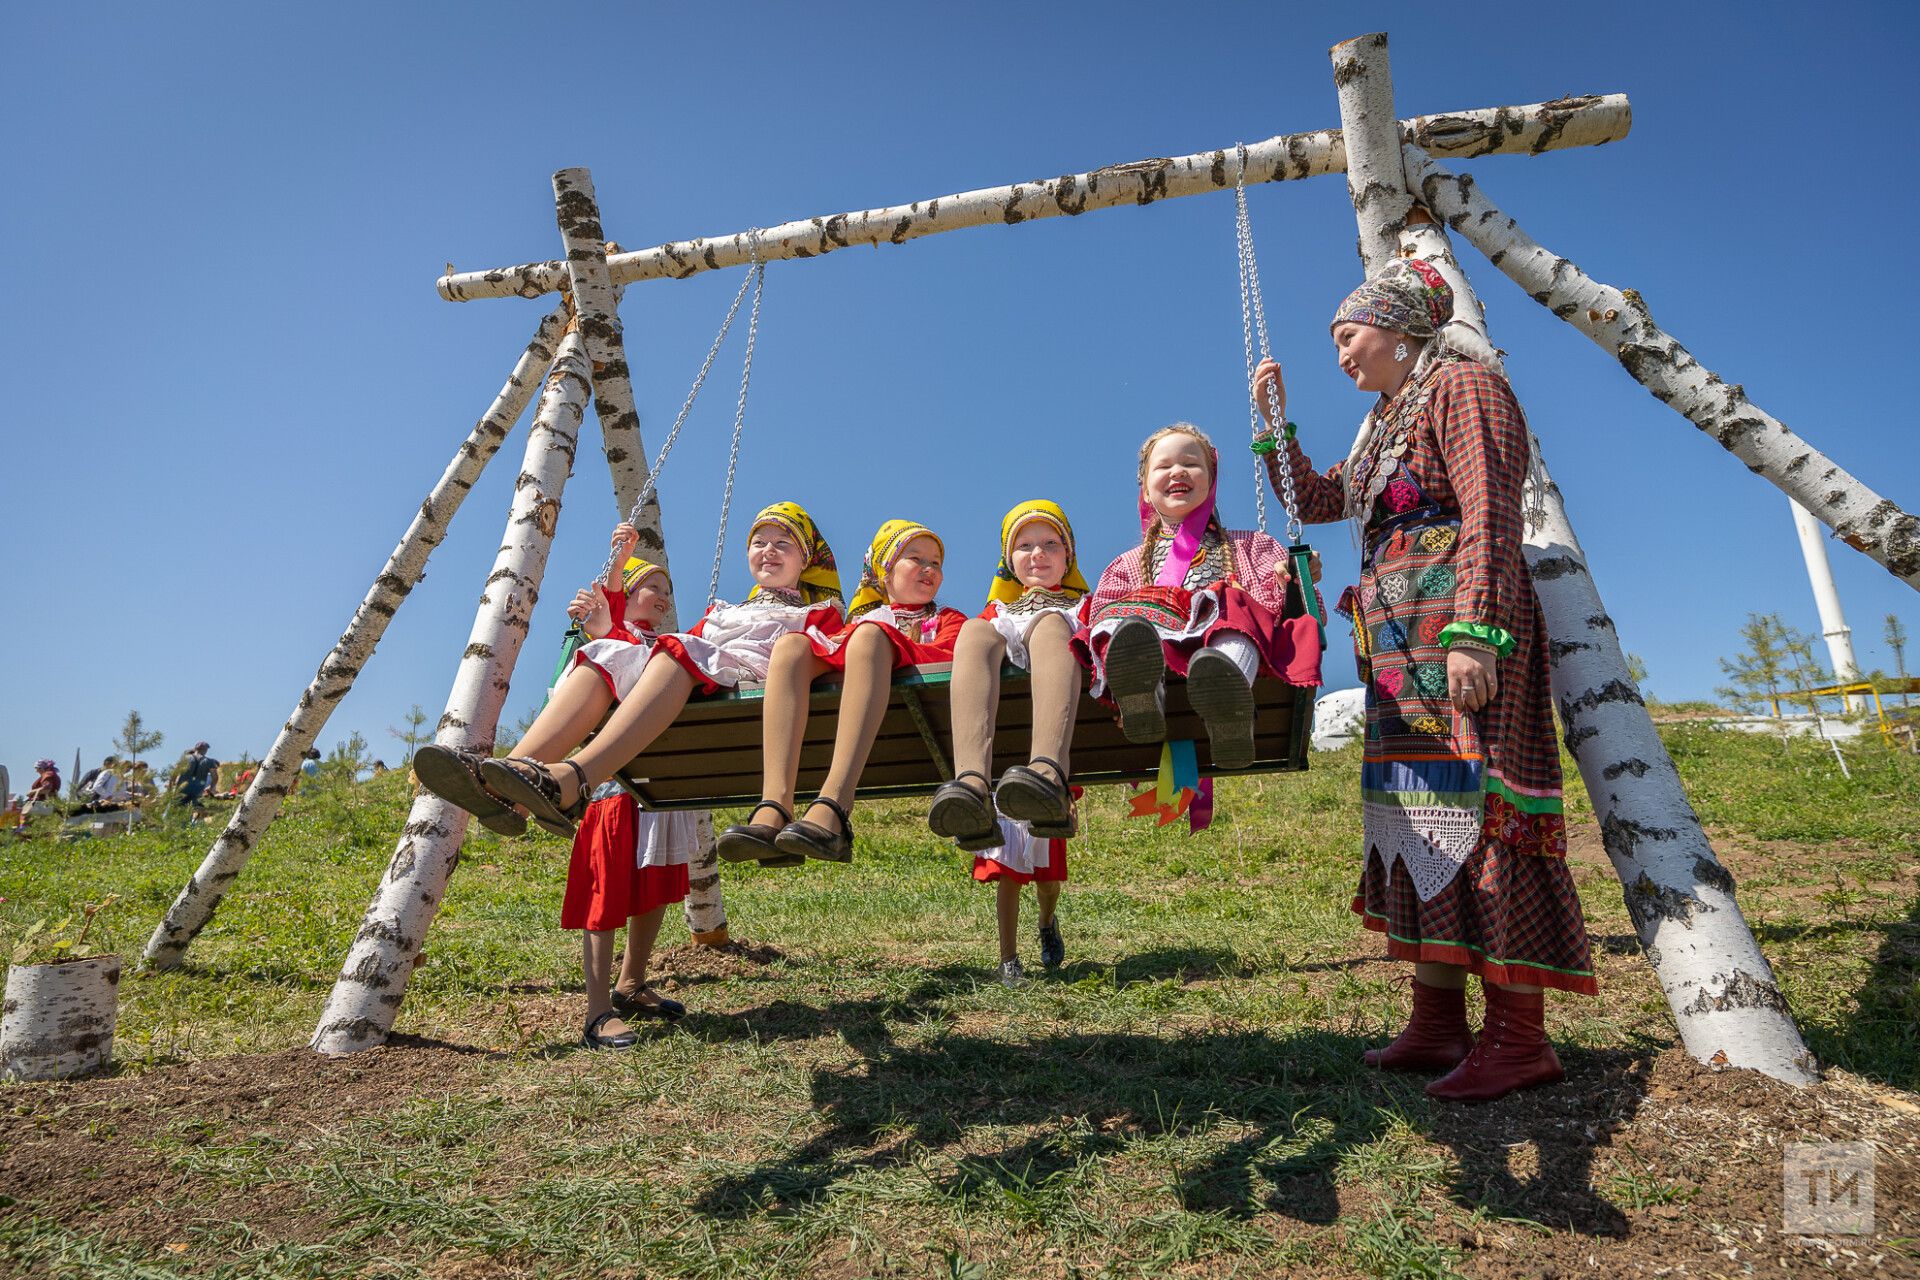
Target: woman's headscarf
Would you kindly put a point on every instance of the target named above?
(882, 555)
(1006, 584)
(45, 766)
(637, 571)
(819, 577)
(1193, 530)
(1406, 295)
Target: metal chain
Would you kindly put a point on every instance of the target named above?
(648, 489)
(759, 273)
(1253, 315)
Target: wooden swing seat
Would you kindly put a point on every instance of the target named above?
(710, 758)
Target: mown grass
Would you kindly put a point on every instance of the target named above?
(1183, 1097)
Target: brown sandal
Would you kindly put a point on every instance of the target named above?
(753, 841)
(454, 775)
(531, 785)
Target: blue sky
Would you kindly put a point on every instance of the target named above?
(235, 382)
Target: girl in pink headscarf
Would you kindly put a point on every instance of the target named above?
(1197, 599)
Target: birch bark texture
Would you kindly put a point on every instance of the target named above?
(366, 997)
(1586, 121)
(1371, 133)
(198, 900)
(58, 1019)
(1619, 321)
(1725, 1002)
(596, 301)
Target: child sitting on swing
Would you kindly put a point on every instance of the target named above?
(1197, 599)
(894, 621)
(1036, 603)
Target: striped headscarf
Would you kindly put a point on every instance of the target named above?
(882, 555)
(637, 571)
(819, 576)
(1006, 584)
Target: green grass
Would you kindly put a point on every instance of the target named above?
(1183, 1098)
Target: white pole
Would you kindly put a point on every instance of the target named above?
(1826, 596)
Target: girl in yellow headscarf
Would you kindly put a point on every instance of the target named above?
(894, 621)
(1035, 605)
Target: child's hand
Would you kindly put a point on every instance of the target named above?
(1313, 565)
(625, 539)
(589, 609)
(1265, 375)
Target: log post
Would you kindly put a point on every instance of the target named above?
(1722, 992)
(196, 903)
(367, 995)
(1371, 132)
(1619, 321)
(597, 302)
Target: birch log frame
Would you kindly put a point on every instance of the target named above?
(1543, 126)
(196, 902)
(1725, 1002)
(58, 1018)
(596, 302)
(1620, 322)
(366, 997)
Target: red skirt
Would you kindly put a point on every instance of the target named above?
(604, 887)
(1289, 648)
(986, 870)
(906, 653)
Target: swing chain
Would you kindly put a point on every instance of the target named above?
(759, 275)
(1253, 315)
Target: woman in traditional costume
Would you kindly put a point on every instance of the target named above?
(1465, 842)
(894, 621)
(1197, 599)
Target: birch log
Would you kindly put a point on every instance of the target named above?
(196, 903)
(58, 1018)
(596, 301)
(1620, 322)
(1543, 126)
(1722, 992)
(1371, 132)
(367, 995)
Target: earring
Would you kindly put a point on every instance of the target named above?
(1400, 352)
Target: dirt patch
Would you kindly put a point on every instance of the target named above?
(690, 963)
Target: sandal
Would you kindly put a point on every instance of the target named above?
(964, 815)
(531, 785)
(658, 1007)
(814, 840)
(1221, 697)
(753, 841)
(619, 1040)
(1044, 804)
(454, 776)
(1136, 667)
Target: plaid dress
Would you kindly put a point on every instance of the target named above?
(1465, 839)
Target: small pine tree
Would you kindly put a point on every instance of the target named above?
(1897, 641)
(348, 758)
(134, 738)
(416, 734)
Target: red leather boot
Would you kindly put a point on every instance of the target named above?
(1513, 1052)
(1436, 1038)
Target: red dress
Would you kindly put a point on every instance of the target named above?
(605, 883)
(917, 638)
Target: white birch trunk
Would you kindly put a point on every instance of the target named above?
(58, 1019)
(366, 997)
(1619, 321)
(1725, 1002)
(596, 301)
(196, 903)
(1364, 85)
(1543, 126)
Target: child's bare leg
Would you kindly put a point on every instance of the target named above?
(863, 701)
(596, 961)
(974, 696)
(657, 697)
(579, 701)
(642, 930)
(1056, 684)
(1006, 904)
(791, 671)
(1047, 893)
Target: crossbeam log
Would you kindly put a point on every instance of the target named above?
(1588, 121)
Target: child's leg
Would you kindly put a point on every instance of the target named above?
(1220, 688)
(1006, 902)
(974, 695)
(1057, 680)
(656, 699)
(863, 701)
(1047, 893)
(1240, 651)
(596, 962)
(579, 701)
(642, 930)
(791, 671)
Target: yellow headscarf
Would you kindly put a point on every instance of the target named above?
(1006, 584)
(819, 577)
(882, 555)
(636, 571)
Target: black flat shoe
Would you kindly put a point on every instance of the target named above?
(963, 815)
(659, 1007)
(753, 841)
(454, 776)
(1223, 700)
(531, 785)
(816, 841)
(1136, 667)
(1053, 948)
(594, 1040)
(1045, 804)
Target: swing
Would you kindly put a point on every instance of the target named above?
(710, 757)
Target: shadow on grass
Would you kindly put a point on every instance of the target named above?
(1880, 1038)
(1304, 1114)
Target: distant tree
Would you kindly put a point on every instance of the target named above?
(1760, 674)
(134, 737)
(348, 758)
(416, 733)
(1897, 641)
(1807, 671)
